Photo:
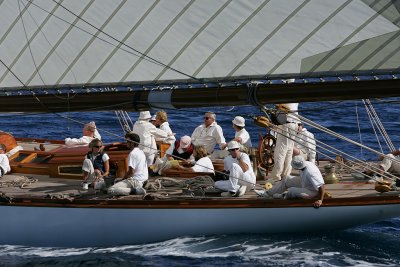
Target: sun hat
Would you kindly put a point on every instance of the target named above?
(185, 141)
(298, 162)
(233, 145)
(144, 115)
(239, 121)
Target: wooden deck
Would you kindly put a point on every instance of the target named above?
(18, 185)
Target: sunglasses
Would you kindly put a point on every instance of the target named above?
(206, 118)
(233, 149)
(97, 146)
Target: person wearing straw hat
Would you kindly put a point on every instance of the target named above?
(241, 175)
(308, 185)
(148, 134)
(286, 133)
(241, 134)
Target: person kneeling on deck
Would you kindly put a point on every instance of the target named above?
(179, 150)
(4, 162)
(241, 175)
(203, 162)
(309, 184)
(96, 166)
(137, 174)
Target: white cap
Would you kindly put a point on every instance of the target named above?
(239, 121)
(185, 141)
(298, 162)
(144, 115)
(153, 118)
(233, 145)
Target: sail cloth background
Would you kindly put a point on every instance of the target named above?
(122, 44)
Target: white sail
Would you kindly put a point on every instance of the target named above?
(51, 43)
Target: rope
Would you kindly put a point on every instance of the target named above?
(21, 182)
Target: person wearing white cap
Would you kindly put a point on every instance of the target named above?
(209, 133)
(89, 133)
(241, 175)
(241, 134)
(286, 133)
(308, 185)
(147, 133)
(181, 150)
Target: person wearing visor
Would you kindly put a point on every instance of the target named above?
(241, 175)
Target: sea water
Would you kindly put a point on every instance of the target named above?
(376, 244)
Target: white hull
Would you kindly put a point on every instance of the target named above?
(78, 227)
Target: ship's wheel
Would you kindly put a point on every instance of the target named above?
(266, 148)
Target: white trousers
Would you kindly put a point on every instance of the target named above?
(87, 166)
(283, 151)
(389, 164)
(149, 157)
(293, 186)
(236, 178)
(124, 187)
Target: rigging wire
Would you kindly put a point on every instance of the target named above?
(359, 132)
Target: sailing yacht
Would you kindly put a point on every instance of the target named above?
(62, 56)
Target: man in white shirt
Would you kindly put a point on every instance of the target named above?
(308, 185)
(286, 133)
(89, 133)
(137, 174)
(148, 134)
(241, 134)
(241, 175)
(305, 144)
(209, 133)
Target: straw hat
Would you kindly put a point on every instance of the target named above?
(239, 121)
(144, 115)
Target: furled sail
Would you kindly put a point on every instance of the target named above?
(98, 48)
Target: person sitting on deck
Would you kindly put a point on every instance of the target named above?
(89, 133)
(389, 163)
(209, 134)
(137, 173)
(179, 150)
(4, 162)
(241, 175)
(241, 134)
(308, 185)
(96, 165)
(203, 162)
(304, 144)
